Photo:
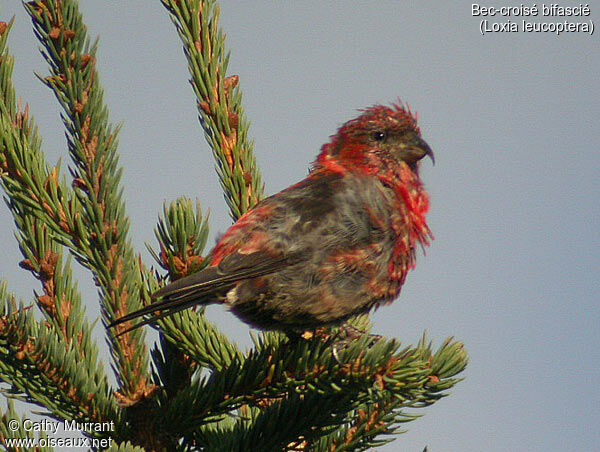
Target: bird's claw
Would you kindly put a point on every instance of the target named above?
(350, 333)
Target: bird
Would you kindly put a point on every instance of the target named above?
(336, 244)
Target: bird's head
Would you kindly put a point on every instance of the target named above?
(380, 138)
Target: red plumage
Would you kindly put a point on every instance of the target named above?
(334, 245)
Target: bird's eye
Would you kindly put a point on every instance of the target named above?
(379, 136)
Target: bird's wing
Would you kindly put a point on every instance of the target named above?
(233, 267)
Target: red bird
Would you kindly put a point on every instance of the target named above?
(334, 245)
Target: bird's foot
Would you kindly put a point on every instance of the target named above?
(348, 333)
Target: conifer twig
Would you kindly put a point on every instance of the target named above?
(41, 369)
(9, 420)
(102, 227)
(219, 101)
(36, 201)
(381, 374)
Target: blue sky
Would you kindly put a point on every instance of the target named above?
(513, 119)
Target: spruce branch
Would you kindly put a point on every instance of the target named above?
(199, 338)
(42, 368)
(43, 200)
(226, 131)
(61, 305)
(181, 234)
(60, 301)
(7, 430)
(378, 375)
(365, 425)
(219, 101)
(33, 187)
(92, 144)
(383, 415)
(306, 416)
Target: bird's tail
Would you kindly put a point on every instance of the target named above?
(200, 288)
(182, 294)
(157, 311)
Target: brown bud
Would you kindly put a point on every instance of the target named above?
(37, 6)
(3, 27)
(233, 119)
(46, 271)
(51, 257)
(54, 33)
(47, 302)
(79, 183)
(138, 396)
(307, 335)
(379, 382)
(194, 261)
(59, 78)
(123, 401)
(179, 265)
(231, 82)
(433, 379)
(26, 264)
(85, 59)
(205, 107)
(69, 34)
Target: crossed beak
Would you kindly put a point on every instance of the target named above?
(424, 149)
